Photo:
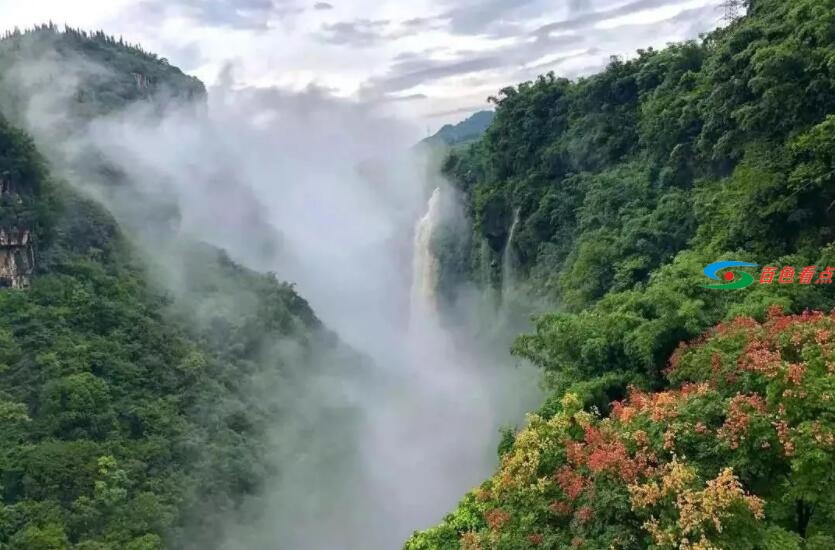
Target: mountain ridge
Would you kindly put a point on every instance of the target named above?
(463, 132)
(129, 420)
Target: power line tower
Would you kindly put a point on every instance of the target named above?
(732, 10)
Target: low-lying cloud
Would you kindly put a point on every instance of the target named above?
(334, 182)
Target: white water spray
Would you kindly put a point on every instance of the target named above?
(507, 258)
(424, 299)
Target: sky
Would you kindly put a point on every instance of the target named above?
(428, 62)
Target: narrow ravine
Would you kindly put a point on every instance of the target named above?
(436, 399)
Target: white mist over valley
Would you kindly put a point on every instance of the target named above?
(333, 198)
(248, 303)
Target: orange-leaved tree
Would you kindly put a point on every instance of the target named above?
(738, 453)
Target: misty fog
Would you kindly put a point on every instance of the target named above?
(329, 195)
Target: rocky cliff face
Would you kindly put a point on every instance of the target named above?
(17, 257)
(19, 184)
(142, 82)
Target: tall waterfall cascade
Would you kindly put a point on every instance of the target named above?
(424, 301)
(508, 258)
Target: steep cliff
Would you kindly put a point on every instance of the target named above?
(21, 174)
(129, 412)
(612, 194)
(17, 258)
(60, 84)
(102, 73)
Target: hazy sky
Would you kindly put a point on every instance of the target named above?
(430, 61)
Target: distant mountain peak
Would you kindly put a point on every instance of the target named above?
(468, 129)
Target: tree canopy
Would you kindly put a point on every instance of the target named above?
(627, 184)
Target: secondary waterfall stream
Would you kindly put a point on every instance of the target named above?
(508, 258)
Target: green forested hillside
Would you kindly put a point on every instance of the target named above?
(101, 71)
(627, 184)
(126, 417)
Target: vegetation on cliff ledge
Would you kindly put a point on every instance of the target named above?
(127, 417)
(627, 184)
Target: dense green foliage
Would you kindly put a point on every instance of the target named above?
(127, 417)
(97, 72)
(627, 184)
(121, 415)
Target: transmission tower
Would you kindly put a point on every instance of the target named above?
(732, 9)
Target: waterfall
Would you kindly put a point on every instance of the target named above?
(424, 264)
(507, 257)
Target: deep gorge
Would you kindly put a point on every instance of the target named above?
(232, 318)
